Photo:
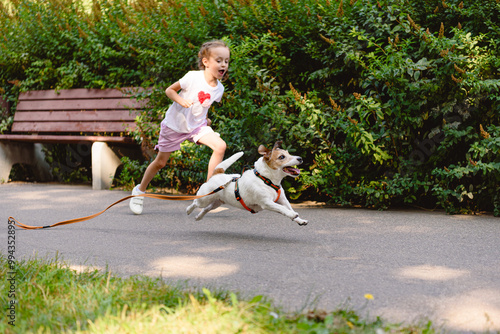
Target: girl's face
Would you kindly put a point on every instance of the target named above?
(218, 61)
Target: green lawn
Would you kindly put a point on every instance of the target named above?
(52, 298)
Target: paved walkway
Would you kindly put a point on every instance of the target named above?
(418, 265)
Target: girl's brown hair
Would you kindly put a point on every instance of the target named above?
(205, 52)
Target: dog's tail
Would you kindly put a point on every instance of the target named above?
(221, 168)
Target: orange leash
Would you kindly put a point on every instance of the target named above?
(12, 220)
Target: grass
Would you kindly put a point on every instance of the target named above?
(52, 298)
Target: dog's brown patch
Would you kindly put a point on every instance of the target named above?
(264, 151)
(274, 159)
(267, 153)
(277, 144)
(277, 157)
(218, 171)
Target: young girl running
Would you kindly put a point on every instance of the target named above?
(186, 119)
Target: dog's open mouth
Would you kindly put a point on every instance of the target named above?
(291, 170)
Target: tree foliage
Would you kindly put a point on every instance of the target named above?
(388, 102)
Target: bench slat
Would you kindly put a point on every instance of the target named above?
(75, 115)
(86, 115)
(72, 126)
(57, 139)
(78, 93)
(53, 105)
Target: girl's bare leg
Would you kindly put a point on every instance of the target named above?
(218, 146)
(158, 163)
(136, 203)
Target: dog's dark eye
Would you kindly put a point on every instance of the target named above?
(281, 157)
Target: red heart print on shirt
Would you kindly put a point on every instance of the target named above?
(202, 96)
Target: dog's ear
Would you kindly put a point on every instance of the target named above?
(277, 144)
(264, 151)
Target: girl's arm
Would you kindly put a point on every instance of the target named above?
(171, 92)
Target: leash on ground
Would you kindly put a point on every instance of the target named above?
(15, 222)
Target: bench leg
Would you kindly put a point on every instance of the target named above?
(12, 153)
(104, 165)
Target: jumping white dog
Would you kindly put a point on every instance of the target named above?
(256, 190)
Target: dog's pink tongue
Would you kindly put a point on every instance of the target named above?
(291, 170)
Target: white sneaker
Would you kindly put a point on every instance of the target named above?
(136, 203)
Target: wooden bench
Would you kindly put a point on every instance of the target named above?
(100, 117)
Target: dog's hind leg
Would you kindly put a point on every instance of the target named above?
(210, 207)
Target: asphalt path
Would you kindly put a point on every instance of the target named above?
(417, 265)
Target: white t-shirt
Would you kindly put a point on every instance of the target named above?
(194, 87)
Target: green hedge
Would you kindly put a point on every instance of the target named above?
(389, 102)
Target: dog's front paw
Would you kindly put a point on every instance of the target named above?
(190, 209)
(300, 221)
(200, 215)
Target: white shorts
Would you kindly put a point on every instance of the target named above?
(171, 140)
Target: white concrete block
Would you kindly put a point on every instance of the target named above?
(104, 165)
(12, 153)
